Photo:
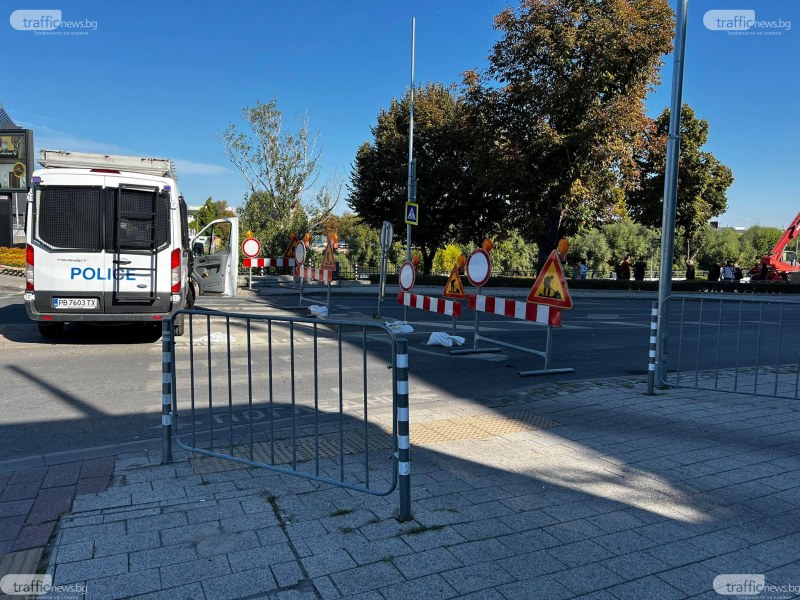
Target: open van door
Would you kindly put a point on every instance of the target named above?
(216, 257)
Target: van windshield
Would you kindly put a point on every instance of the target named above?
(94, 218)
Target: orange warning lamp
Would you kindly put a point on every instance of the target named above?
(461, 260)
(563, 245)
(488, 245)
(415, 260)
(307, 238)
(249, 233)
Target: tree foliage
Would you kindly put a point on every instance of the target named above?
(703, 180)
(627, 237)
(211, 211)
(281, 168)
(560, 110)
(442, 149)
(363, 242)
(593, 246)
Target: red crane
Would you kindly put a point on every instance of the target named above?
(780, 264)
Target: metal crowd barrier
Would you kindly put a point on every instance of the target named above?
(741, 344)
(326, 401)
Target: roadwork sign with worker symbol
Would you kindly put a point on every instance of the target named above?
(550, 287)
(412, 213)
(454, 288)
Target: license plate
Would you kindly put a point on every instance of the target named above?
(76, 303)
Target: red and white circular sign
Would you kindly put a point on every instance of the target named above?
(299, 253)
(251, 247)
(479, 267)
(408, 275)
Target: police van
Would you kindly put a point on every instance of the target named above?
(108, 241)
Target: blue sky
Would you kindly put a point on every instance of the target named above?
(162, 78)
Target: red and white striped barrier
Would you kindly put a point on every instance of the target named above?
(525, 311)
(312, 273)
(442, 307)
(268, 262)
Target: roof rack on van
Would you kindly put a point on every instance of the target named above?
(162, 167)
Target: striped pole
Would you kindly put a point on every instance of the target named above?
(166, 391)
(651, 362)
(403, 443)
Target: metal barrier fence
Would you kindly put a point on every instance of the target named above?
(327, 401)
(733, 344)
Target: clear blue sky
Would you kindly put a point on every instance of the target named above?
(162, 78)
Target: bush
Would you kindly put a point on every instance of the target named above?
(12, 257)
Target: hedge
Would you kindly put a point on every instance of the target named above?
(12, 257)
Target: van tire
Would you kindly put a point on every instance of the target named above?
(190, 295)
(50, 330)
(178, 326)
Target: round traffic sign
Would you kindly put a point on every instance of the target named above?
(251, 248)
(408, 275)
(299, 253)
(479, 267)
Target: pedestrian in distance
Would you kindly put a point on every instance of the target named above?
(583, 269)
(624, 268)
(737, 272)
(638, 270)
(713, 272)
(690, 272)
(727, 272)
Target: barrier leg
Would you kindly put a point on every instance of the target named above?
(328, 299)
(474, 349)
(403, 441)
(302, 279)
(166, 391)
(455, 325)
(651, 362)
(250, 282)
(547, 354)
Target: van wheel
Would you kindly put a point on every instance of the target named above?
(178, 326)
(190, 296)
(50, 330)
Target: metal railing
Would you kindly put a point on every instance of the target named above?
(323, 400)
(732, 344)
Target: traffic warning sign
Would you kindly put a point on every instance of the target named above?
(412, 213)
(289, 253)
(454, 288)
(550, 287)
(328, 260)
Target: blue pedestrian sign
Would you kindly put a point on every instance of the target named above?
(412, 213)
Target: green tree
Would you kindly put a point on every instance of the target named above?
(442, 150)
(211, 211)
(363, 241)
(560, 109)
(722, 245)
(761, 240)
(626, 237)
(593, 246)
(281, 168)
(703, 180)
(513, 254)
(445, 258)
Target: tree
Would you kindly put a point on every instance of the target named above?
(211, 211)
(626, 237)
(445, 259)
(281, 168)
(592, 246)
(703, 180)
(761, 239)
(363, 242)
(560, 109)
(512, 254)
(721, 245)
(442, 149)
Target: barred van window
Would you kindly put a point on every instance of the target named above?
(135, 214)
(69, 217)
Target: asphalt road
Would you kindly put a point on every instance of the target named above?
(101, 385)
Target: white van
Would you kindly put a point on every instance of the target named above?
(107, 241)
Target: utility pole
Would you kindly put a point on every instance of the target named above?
(671, 190)
(412, 168)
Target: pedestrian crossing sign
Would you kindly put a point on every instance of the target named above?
(412, 213)
(454, 288)
(550, 287)
(328, 260)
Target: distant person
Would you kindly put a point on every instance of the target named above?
(737, 272)
(583, 269)
(690, 273)
(624, 268)
(713, 272)
(727, 272)
(638, 270)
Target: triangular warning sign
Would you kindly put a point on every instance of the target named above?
(454, 288)
(290, 249)
(550, 286)
(328, 260)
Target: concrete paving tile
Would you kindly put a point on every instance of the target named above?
(718, 542)
(244, 560)
(62, 475)
(573, 531)
(227, 542)
(366, 578)
(195, 570)
(125, 515)
(123, 586)
(483, 529)
(432, 587)
(35, 475)
(420, 564)
(666, 531)
(624, 542)
(532, 519)
(34, 536)
(635, 565)
(270, 535)
(615, 521)
(240, 585)
(15, 508)
(570, 511)
(72, 552)
(528, 541)
(88, 532)
(96, 568)
(97, 467)
(156, 522)
(328, 562)
(477, 577)
(365, 552)
(193, 591)
(679, 553)
(108, 546)
(110, 499)
(648, 587)
(326, 589)
(190, 533)
(588, 578)
(10, 526)
(145, 560)
(287, 573)
(431, 538)
(248, 522)
(20, 491)
(774, 553)
(580, 553)
(531, 565)
(480, 551)
(488, 594)
(690, 579)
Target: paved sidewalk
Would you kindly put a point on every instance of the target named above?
(608, 493)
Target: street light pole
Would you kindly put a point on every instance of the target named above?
(671, 190)
(412, 184)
